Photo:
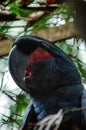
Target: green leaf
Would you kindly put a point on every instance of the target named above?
(3, 30)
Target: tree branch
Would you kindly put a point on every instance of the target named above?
(42, 7)
(57, 33)
(52, 34)
(7, 16)
(5, 46)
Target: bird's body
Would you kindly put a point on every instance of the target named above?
(49, 94)
(51, 79)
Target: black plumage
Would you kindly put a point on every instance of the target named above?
(55, 83)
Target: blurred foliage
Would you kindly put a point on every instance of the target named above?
(19, 24)
(13, 12)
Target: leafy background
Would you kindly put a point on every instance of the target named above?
(20, 17)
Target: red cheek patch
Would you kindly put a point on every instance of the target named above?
(37, 55)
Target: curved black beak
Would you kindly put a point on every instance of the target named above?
(17, 65)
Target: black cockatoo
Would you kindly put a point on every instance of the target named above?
(49, 76)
